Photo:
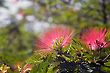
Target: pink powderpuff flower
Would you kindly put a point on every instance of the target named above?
(94, 39)
(62, 35)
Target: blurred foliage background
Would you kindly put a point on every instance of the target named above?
(17, 38)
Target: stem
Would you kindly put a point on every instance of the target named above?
(106, 57)
(103, 9)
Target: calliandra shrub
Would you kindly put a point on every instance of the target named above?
(71, 56)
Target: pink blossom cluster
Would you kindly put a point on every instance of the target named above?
(92, 37)
(60, 34)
